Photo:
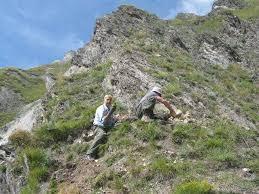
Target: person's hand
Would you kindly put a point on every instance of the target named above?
(176, 113)
(114, 106)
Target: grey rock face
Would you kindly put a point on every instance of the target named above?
(68, 56)
(9, 100)
(127, 81)
(29, 117)
(234, 4)
(216, 51)
(110, 31)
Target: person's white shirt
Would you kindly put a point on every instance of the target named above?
(102, 111)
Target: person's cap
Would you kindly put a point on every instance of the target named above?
(157, 89)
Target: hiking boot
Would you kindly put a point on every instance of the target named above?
(89, 157)
(178, 113)
(146, 118)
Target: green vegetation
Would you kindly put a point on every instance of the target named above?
(211, 24)
(6, 117)
(30, 87)
(250, 12)
(148, 131)
(109, 179)
(38, 163)
(78, 100)
(194, 187)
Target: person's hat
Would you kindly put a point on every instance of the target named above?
(157, 89)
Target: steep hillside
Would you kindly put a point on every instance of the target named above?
(18, 87)
(207, 67)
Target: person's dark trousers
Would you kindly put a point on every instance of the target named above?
(100, 138)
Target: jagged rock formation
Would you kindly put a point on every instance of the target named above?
(9, 100)
(233, 4)
(233, 40)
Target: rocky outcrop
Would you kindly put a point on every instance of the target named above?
(29, 117)
(9, 100)
(110, 32)
(231, 4)
(127, 81)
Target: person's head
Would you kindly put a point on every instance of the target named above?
(107, 100)
(157, 90)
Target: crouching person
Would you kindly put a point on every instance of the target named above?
(104, 120)
(145, 107)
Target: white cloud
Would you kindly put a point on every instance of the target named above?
(199, 7)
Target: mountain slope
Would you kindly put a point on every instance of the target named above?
(18, 87)
(207, 66)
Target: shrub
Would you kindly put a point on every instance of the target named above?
(21, 138)
(194, 187)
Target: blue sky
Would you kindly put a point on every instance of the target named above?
(34, 32)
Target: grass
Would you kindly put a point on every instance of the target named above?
(30, 87)
(212, 24)
(6, 117)
(109, 179)
(38, 163)
(194, 187)
(78, 94)
(217, 143)
(64, 127)
(250, 12)
(148, 132)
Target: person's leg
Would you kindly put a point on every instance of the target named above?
(148, 115)
(99, 139)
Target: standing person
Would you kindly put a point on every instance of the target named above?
(146, 105)
(103, 121)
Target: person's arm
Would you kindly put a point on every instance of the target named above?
(107, 117)
(167, 105)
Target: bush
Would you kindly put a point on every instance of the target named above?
(21, 138)
(194, 187)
